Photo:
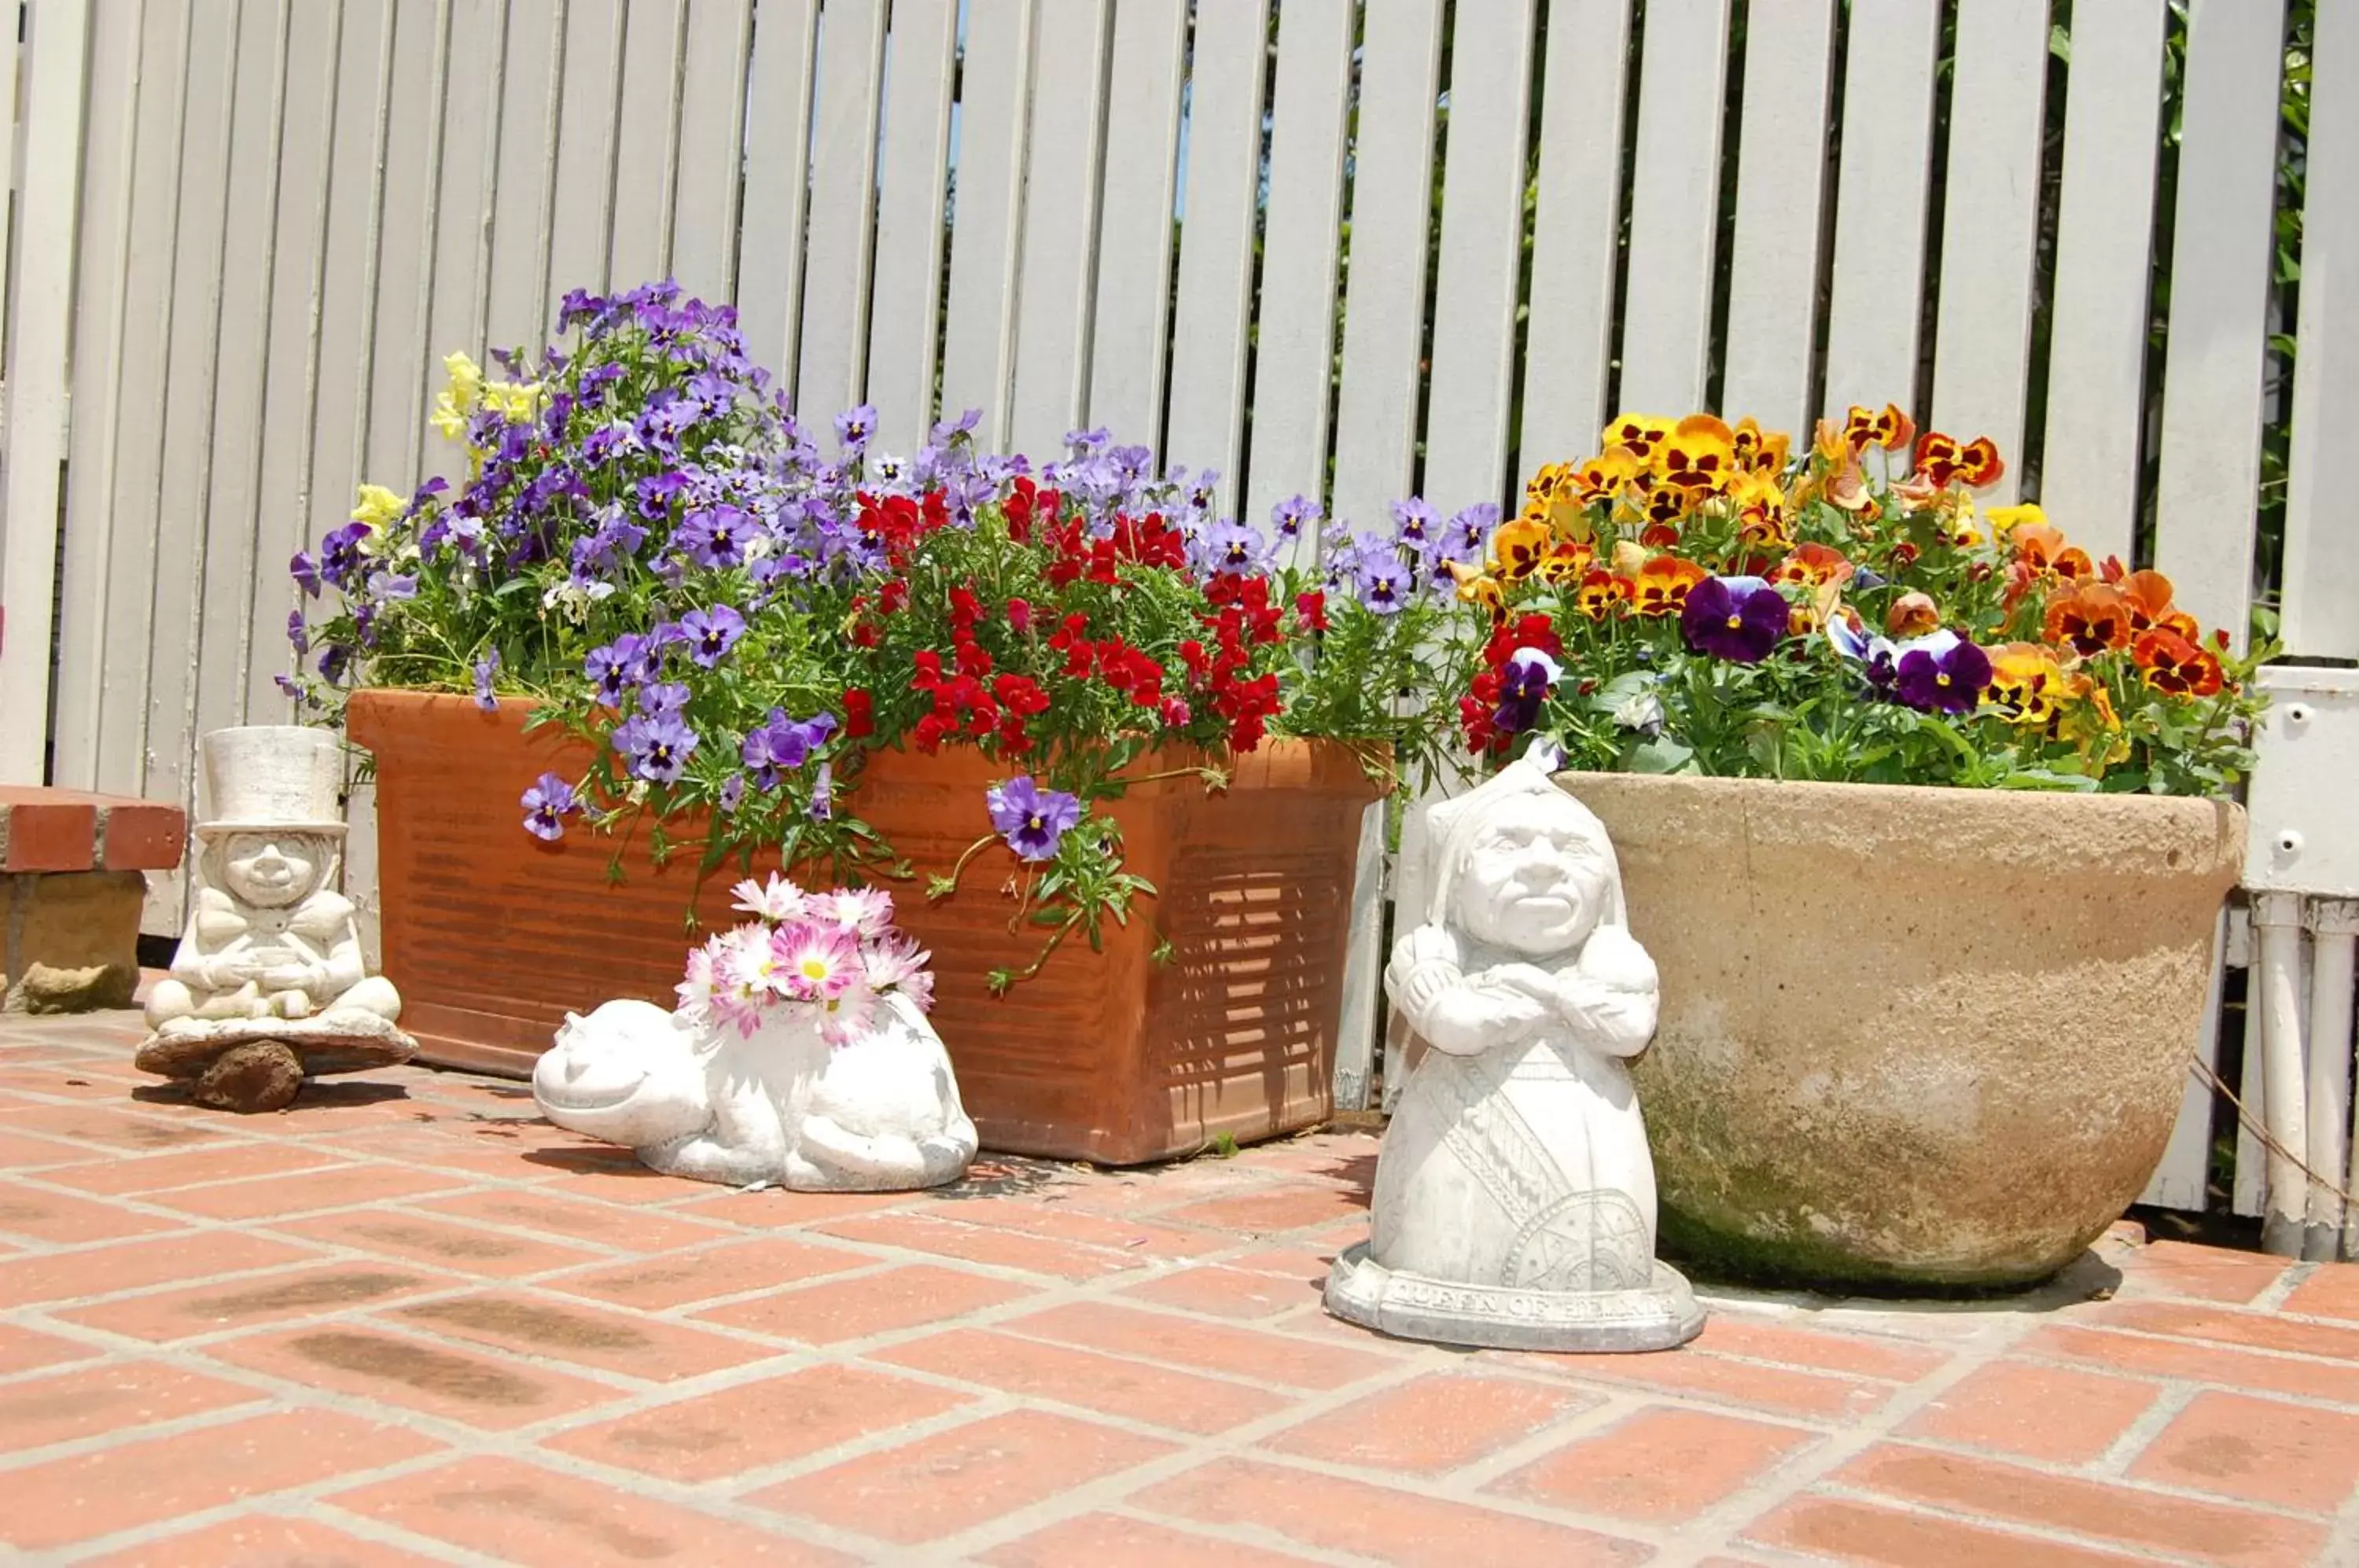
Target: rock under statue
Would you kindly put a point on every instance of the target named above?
(1515, 1193)
(269, 985)
(877, 1113)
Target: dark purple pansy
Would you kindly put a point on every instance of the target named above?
(306, 573)
(1942, 673)
(1736, 618)
(1525, 682)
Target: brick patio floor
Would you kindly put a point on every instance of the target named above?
(407, 1322)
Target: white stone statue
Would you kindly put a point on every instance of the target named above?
(858, 1098)
(1515, 1195)
(269, 984)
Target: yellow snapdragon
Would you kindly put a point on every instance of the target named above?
(378, 508)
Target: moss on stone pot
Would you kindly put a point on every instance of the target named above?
(1912, 1038)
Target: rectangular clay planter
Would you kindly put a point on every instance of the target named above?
(492, 936)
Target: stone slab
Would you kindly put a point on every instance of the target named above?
(1659, 1315)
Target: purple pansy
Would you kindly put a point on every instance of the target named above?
(1384, 584)
(822, 799)
(657, 746)
(1736, 618)
(296, 634)
(717, 538)
(1291, 516)
(856, 427)
(306, 573)
(546, 805)
(1232, 549)
(485, 668)
(712, 633)
(783, 745)
(1527, 678)
(1032, 819)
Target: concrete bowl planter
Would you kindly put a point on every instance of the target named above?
(1911, 1038)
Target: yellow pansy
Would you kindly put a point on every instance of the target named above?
(377, 507)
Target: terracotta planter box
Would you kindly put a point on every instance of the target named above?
(492, 935)
(1912, 1037)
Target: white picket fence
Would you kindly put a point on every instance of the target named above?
(245, 229)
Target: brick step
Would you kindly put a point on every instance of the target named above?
(44, 830)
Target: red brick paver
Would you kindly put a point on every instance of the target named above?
(407, 1322)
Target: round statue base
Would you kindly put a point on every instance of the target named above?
(1662, 1313)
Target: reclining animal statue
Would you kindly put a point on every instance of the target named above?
(878, 1113)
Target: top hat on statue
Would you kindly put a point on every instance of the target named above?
(265, 777)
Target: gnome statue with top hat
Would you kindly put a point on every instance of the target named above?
(1515, 1195)
(269, 985)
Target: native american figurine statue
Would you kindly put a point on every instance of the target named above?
(1515, 1195)
(269, 985)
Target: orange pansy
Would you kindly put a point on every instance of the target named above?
(2028, 682)
(1699, 454)
(1912, 614)
(2088, 620)
(1812, 563)
(1519, 546)
(1662, 583)
(1759, 451)
(1599, 592)
(1643, 434)
(2175, 666)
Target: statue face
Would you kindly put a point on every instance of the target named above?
(1536, 880)
(270, 870)
(627, 1074)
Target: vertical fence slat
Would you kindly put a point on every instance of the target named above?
(1129, 347)
(2218, 309)
(1991, 216)
(1383, 305)
(1294, 366)
(40, 312)
(1475, 282)
(297, 281)
(2104, 228)
(1216, 236)
(639, 249)
(1060, 214)
(516, 310)
(1570, 331)
(1772, 288)
(581, 203)
(1881, 192)
(843, 182)
(1674, 206)
(2322, 560)
(778, 149)
(463, 193)
(905, 313)
(87, 699)
(227, 633)
(176, 597)
(994, 86)
(712, 126)
(405, 243)
(347, 299)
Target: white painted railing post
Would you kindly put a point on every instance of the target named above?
(2334, 931)
(2276, 986)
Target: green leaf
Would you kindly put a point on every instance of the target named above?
(1661, 755)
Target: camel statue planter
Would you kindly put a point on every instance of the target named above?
(799, 1057)
(1514, 1196)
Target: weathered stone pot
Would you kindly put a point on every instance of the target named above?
(1913, 1037)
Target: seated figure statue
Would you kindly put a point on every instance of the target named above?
(269, 937)
(1514, 1192)
(269, 985)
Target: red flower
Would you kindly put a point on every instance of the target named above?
(1020, 616)
(1312, 610)
(929, 670)
(965, 608)
(1020, 695)
(859, 714)
(1175, 712)
(928, 734)
(1018, 509)
(1533, 630)
(1192, 654)
(972, 659)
